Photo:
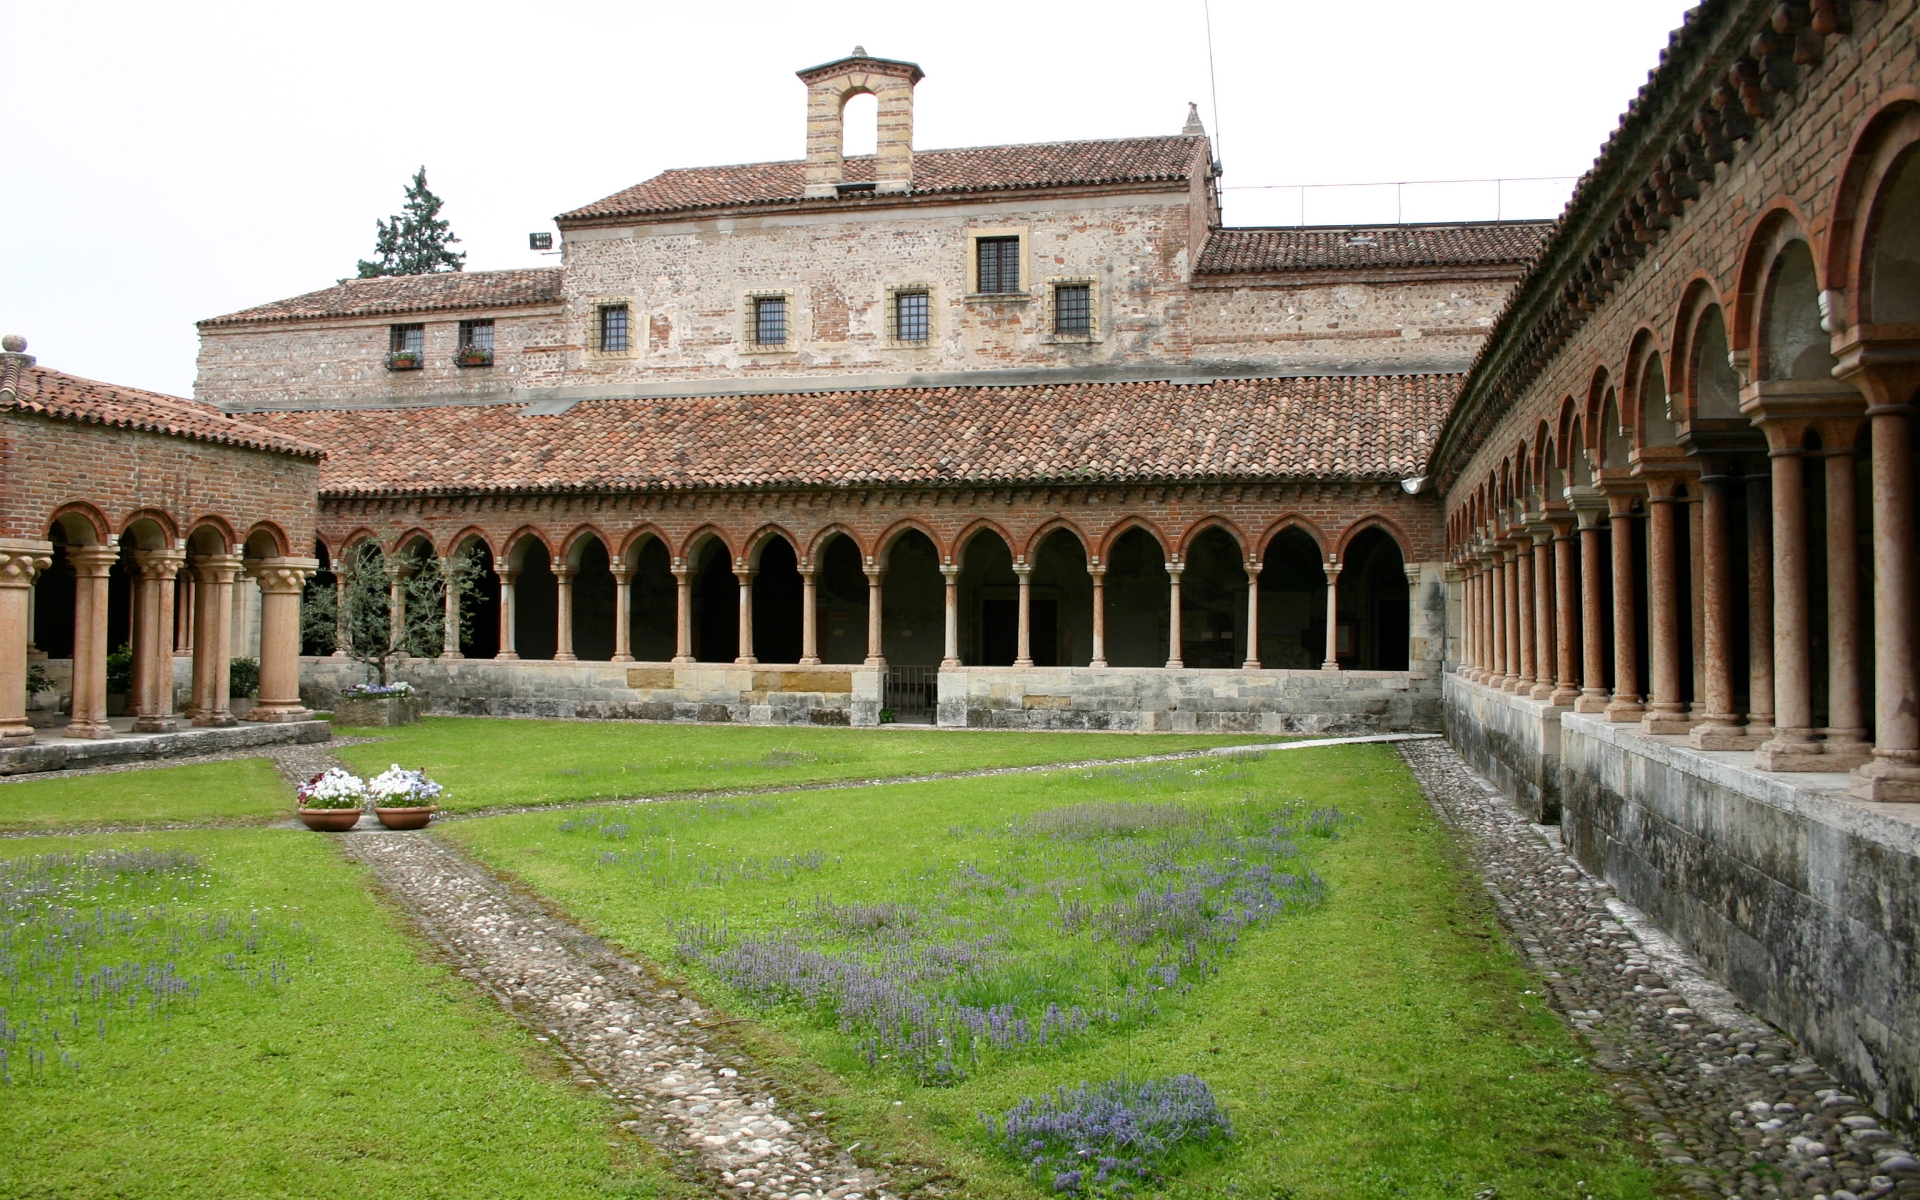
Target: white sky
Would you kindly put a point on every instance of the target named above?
(168, 162)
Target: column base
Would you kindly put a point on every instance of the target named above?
(87, 729)
(450, 656)
(746, 661)
(1252, 664)
(1667, 720)
(278, 715)
(155, 724)
(1888, 780)
(1721, 733)
(16, 735)
(1624, 709)
(1098, 662)
(1022, 662)
(1592, 700)
(566, 658)
(1541, 691)
(1511, 683)
(1175, 664)
(621, 658)
(220, 720)
(1330, 666)
(684, 660)
(507, 656)
(874, 662)
(1563, 697)
(1793, 750)
(813, 660)
(189, 650)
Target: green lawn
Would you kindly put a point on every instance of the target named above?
(318, 1054)
(1385, 1042)
(489, 762)
(241, 791)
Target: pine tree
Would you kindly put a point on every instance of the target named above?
(415, 241)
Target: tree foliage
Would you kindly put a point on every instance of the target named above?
(415, 240)
(357, 618)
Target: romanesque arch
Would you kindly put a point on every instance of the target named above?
(989, 598)
(1371, 610)
(841, 598)
(777, 596)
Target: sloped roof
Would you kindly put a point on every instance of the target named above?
(973, 169)
(408, 294)
(1338, 427)
(27, 388)
(1315, 248)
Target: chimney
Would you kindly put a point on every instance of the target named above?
(829, 87)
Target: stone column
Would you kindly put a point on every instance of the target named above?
(90, 567)
(951, 574)
(1792, 746)
(1760, 604)
(1333, 567)
(1626, 704)
(744, 574)
(876, 653)
(810, 614)
(449, 634)
(1523, 612)
(683, 612)
(153, 640)
(1483, 637)
(507, 646)
(281, 581)
(1567, 603)
(342, 629)
(1253, 615)
(1543, 604)
(1510, 678)
(213, 638)
(183, 618)
(20, 561)
(1175, 569)
(1846, 745)
(1099, 573)
(1697, 592)
(563, 617)
(1719, 728)
(1497, 592)
(1023, 572)
(623, 612)
(399, 570)
(1894, 773)
(1665, 712)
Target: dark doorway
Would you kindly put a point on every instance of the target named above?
(990, 601)
(1213, 602)
(594, 602)
(842, 601)
(654, 620)
(481, 637)
(1138, 592)
(716, 606)
(536, 603)
(1372, 610)
(778, 596)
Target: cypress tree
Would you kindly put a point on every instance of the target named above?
(416, 240)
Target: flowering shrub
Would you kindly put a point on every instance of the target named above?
(334, 788)
(375, 690)
(1101, 1139)
(399, 788)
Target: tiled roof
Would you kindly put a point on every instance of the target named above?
(1256, 251)
(62, 397)
(409, 294)
(975, 169)
(1336, 427)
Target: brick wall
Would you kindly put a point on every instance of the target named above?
(1343, 325)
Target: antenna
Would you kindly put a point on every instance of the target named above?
(1213, 82)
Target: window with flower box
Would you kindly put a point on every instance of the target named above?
(406, 347)
(476, 344)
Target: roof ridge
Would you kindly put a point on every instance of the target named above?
(796, 162)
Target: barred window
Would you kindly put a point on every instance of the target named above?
(407, 339)
(613, 322)
(476, 335)
(1073, 309)
(770, 320)
(998, 265)
(910, 316)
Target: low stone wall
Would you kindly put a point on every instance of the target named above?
(1131, 699)
(1513, 741)
(54, 753)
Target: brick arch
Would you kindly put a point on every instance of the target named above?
(81, 520)
(419, 533)
(1382, 522)
(470, 533)
(1642, 348)
(690, 547)
(756, 542)
(973, 530)
(1119, 529)
(576, 542)
(516, 545)
(1598, 385)
(1292, 520)
(1882, 140)
(826, 534)
(1047, 529)
(1700, 296)
(282, 544)
(1780, 222)
(637, 537)
(353, 537)
(883, 545)
(1565, 421)
(1213, 521)
(157, 520)
(217, 526)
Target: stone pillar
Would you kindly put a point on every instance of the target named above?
(1846, 745)
(449, 634)
(1098, 571)
(507, 648)
(342, 629)
(90, 567)
(399, 570)
(1175, 568)
(876, 651)
(1510, 678)
(1332, 567)
(951, 574)
(153, 640)
(1665, 712)
(1626, 703)
(1697, 592)
(281, 581)
(1469, 616)
(1760, 605)
(1719, 728)
(20, 561)
(1792, 746)
(563, 618)
(683, 612)
(1483, 622)
(213, 638)
(1497, 592)
(623, 612)
(1894, 773)
(810, 614)
(1543, 605)
(1567, 619)
(1023, 572)
(1252, 662)
(744, 574)
(1523, 612)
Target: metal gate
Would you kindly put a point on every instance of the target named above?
(911, 695)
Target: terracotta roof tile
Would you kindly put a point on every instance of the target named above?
(975, 169)
(408, 294)
(1255, 251)
(1337, 427)
(31, 389)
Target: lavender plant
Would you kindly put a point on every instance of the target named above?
(1108, 1138)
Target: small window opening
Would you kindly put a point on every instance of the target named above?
(1073, 309)
(613, 325)
(476, 344)
(910, 316)
(998, 265)
(406, 347)
(770, 321)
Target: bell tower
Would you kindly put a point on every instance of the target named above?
(829, 87)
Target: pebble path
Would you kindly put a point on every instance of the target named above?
(652, 1048)
(1726, 1099)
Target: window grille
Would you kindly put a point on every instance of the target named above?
(1073, 310)
(770, 320)
(476, 335)
(407, 339)
(613, 329)
(998, 265)
(910, 316)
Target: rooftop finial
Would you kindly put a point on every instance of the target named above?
(13, 343)
(859, 52)
(1193, 127)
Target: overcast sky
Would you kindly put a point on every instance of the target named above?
(168, 162)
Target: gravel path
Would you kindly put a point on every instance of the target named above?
(653, 1049)
(1729, 1101)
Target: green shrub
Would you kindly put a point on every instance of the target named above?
(120, 670)
(245, 677)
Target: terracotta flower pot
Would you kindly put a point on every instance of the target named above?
(331, 820)
(406, 818)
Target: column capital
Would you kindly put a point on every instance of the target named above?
(1412, 571)
(1097, 569)
(951, 572)
(399, 568)
(622, 573)
(282, 574)
(1023, 569)
(21, 560)
(160, 564)
(90, 561)
(874, 575)
(1252, 567)
(744, 573)
(507, 575)
(1175, 567)
(562, 571)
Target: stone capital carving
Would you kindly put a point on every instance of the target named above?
(217, 568)
(21, 560)
(160, 564)
(91, 562)
(282, 575)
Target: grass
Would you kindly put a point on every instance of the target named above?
(308, 1050)
(239, 791)
(1384, 1041)
(488, 762)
